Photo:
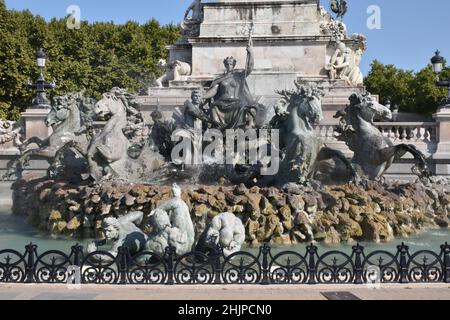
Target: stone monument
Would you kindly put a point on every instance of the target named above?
(308, 44)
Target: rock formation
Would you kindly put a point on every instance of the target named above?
(294, 214)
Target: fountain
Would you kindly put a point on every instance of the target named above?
(242, 148)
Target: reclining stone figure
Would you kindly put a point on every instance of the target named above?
(122, 232)
(172, 225)
(225, 230)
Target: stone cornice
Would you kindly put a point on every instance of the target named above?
(272, 3)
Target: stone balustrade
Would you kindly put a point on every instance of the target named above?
(398, 132)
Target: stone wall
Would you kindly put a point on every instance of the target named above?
(283, 216)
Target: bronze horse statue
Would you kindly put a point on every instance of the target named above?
(67, 121)
(298, 114)
(373, 152)
(110, 154)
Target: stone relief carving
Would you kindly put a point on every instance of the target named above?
(336, 29)
(175, 71)
(11, 131)
(344, 65)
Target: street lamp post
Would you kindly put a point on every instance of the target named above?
(438, 66)
(41, 101)
(442, 116)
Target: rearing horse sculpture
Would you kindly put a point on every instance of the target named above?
(373, 152)
(65, 118)
(297, 116)
(108, 155)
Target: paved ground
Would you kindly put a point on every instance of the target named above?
(232, 292)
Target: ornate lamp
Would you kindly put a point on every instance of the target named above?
(438, 66)
(41, 58)
(41, 101)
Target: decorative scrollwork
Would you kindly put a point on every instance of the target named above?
(425, 266)
(387, 264)
(12, 266)
(335, 267)
(288, 267)
(194, 268)
(51, 267)
(241, 268)
(99, 268)
(147, 268)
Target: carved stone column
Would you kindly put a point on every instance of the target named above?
(442, 155)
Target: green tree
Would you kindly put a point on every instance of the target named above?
(392, 84)
(428, 95)
(95, 57)
(412, 92)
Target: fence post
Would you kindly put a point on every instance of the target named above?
(265, 251)
(170, 254)
(446, 267)
(77, 254)
(217, 254)
(30, 263)
(311, 252)
(403, 250)
(122, 262)
(358, 251)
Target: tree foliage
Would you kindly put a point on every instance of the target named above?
(96, 57)
(412, 92)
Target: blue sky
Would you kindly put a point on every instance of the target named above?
(411, 30)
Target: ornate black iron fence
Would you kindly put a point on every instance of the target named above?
(287, 267)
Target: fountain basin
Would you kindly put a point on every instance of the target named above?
(280, 216)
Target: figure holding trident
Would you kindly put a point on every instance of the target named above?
(231, 100)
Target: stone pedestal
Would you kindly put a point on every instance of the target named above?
(442, 155)
(34, 120)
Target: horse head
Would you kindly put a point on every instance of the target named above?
(307, 104)
(62, 110)
(368, 108)
(363, 108)
(116, 101)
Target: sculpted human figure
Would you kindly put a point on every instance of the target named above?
(121, 232)
(161, 134)
(193, 110)
(344, 64)
(339, 61)
(230, 94)
(172, 225)
(11, 131)
(191, 24)
(196, 8)
(225, 229)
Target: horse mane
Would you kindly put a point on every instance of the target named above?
(136, 126)
(303, 91)
(128, 99)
